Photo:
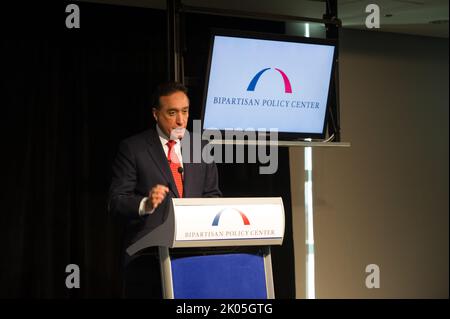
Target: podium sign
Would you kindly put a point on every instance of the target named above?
(228, 221)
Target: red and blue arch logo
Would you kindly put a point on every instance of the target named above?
(230, 211)
(255, 79)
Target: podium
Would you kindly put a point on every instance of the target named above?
(217, 247)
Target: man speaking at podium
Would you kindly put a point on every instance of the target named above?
(149, 169)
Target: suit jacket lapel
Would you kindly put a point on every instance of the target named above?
(188, 166)
(159, 157)
(187, 172)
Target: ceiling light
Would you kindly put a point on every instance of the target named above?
(439, 22)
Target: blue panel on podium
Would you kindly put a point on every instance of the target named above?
(219, 276)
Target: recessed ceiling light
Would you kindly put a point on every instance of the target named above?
(439, 21)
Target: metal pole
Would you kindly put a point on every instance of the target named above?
(173, 40)
(309, 226)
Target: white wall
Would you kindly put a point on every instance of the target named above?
(385, 199)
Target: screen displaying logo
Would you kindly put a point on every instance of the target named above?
(261, 84)
(254, 81)
(230, 211)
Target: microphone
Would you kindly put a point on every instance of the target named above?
(180, 170)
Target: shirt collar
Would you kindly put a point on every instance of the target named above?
(163, 137)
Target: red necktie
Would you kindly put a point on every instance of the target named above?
(174, 164)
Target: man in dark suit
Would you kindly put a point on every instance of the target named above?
(149, 168)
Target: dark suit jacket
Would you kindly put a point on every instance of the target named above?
(140, 164)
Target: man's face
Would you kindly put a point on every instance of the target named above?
(173, 114)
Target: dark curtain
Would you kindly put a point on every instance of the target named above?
(68, 97)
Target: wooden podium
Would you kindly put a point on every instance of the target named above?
(217, 247)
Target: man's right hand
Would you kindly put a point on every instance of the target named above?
(156, 196)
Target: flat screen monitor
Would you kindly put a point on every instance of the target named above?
(261, 82)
